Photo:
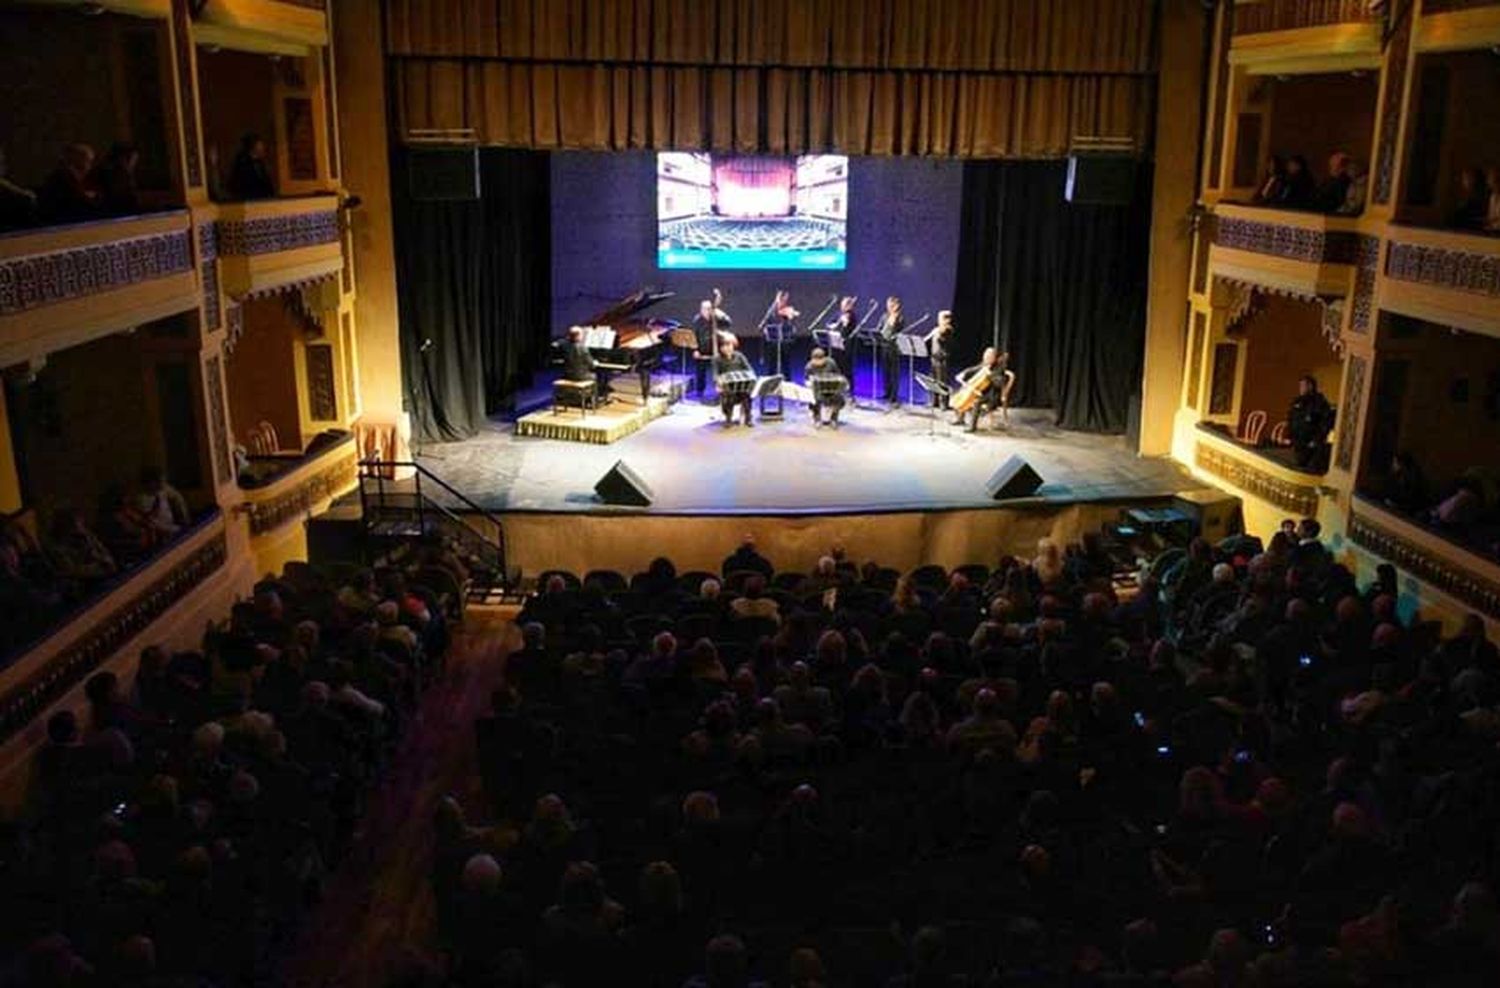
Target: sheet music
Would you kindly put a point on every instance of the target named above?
(599, 337)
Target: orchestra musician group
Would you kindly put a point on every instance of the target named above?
(978, 391)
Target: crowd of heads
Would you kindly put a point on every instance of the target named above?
(1465, 510)
(1289, 183)
(43, 576)
(179, 827)
(83, 186)
(1247, 771)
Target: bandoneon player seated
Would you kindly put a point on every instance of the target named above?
(827, 384)
(735, 379)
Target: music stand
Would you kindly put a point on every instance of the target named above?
(934, 388)
(872, 337)
(911, 346)
(684, 341)
(776, 333)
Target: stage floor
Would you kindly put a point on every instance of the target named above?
(876, 462)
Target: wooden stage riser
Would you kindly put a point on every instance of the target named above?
(627, 542)
(606, 425)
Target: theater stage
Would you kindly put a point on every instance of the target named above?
(876, 462)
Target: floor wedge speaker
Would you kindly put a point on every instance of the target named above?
(623, 485)
(1015, 478)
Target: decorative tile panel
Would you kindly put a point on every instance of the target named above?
(187, 96)
(269, 234)
(1461, 584)
(1441, 268)
(1297, 243)
(1390, 113)
(1354, 396)
(208, 254)
(218, 419)
(64, 275)
(111, 633)
(1221, 379)
(1365, 267)
(1299, 499)
(322, 393)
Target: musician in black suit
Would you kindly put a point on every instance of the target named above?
(709, 326)
(821, 364)
(996, 395)
(938, 343)
(730, 360)
(892, 324)
(579, 364)
(845, 323)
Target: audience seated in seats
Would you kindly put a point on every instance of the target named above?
(161, 504)
(1334, 190)
(250, 174)
(746, 560)
(1300, 188)
(177, 834)
(1272, 188)
(81, 559)
(1266, 780)
(69, 194)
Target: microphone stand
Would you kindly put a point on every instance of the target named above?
(765, 324)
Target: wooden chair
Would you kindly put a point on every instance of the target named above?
(1253, 426)
(583, 395)
(1279, 435)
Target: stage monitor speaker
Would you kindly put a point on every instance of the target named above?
(443, 174)
(1100, 179)
(623, 485)
(1015, 478)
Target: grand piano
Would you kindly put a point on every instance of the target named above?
(631, 343)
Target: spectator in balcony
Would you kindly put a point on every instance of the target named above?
(1272, 188)
(1473, 201)
(1335, 188)
(76, 552)
(250, 176)
(1406, 485)
(1359, 185)
(126, 532)
(162, 504)
(1309, 421)
(69, 195)
(115, 180)
(17, 204)
(1300, 190)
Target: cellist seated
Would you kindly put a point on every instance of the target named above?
(984, 388)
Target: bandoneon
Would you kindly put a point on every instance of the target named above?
(828, 388)
(736, 382)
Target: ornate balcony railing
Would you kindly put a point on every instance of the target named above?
(1303, 253)
(65, 285)
(1467, 578)
(1288, 489)
(271, 244)
(1445, 276)
(1289, 15)
(104, 626)
(307, 483)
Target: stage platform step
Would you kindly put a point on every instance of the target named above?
(609, 424)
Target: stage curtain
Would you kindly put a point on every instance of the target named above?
(972, 78)
(475, 279)
(1062, 287)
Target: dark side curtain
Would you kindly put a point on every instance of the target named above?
(1062, 287)
(474, 278)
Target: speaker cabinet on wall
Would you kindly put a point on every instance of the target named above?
(443, 174)
(1100, 179)
(1015, 478)
(623, 485)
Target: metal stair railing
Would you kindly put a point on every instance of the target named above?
(395, 510)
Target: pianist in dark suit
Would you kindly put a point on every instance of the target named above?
(731, 361)
(709, 326)
(579, 364)
(823, 366)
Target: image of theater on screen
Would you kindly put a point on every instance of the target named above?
(765, 213)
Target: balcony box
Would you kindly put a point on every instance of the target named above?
(272, 244)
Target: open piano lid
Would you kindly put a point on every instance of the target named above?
(626, 310)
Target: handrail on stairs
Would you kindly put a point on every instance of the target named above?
(381, 470)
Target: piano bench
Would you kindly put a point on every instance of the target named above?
(583, 395)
